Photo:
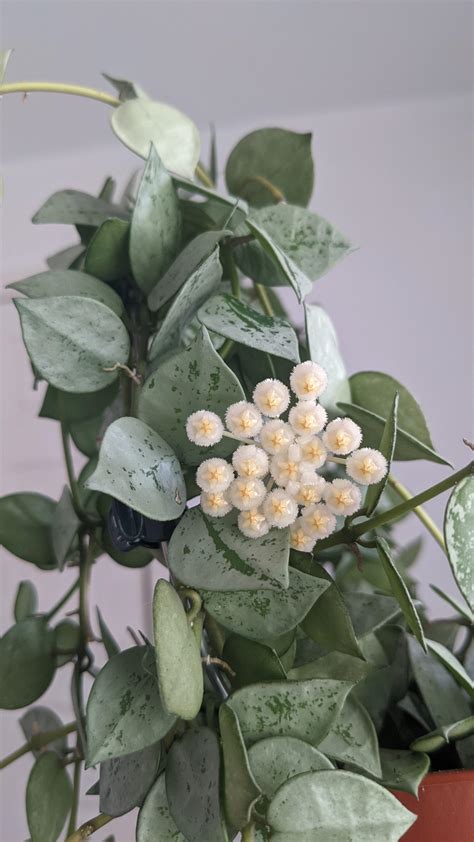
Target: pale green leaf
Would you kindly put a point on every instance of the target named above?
(286, 267)
(48, 798)
(71, 207)
(141, 121)
(5, 56)
(276, 759)
(125, 781)
(25, 527)
(66, 258)
(26, 663)
(71, 340)
(240, 788)
(107, 253)
(371, 611)
(139, 468)
(400, 591)
(459, 536)
(154, 819)
(124, 709)
(69, 282)
(403, 770)
(333, 665)
(125, 89)
(387, 448)
(462, 610)
(26, 601)
(452, 664)
(323, 348)
(352, 739)
(214, 554)
(437, 739)
(178, 659)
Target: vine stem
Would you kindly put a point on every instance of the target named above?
(37, 742)
(76, 498)
(248, 832)
(88, 828)
(54, 610)
(264, 299)
(76, 788)
(418, 511)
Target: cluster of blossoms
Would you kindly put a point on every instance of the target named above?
(273, 480)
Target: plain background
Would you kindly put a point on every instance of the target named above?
(386, 89)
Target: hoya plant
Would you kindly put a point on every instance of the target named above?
(293, 682)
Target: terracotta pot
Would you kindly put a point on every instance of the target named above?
(445, 808)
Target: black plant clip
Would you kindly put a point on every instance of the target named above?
(129, 529)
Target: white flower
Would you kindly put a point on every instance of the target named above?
(246, 493)
(204, 428)
(214, 475)
(250, 461)
(314, 452)
(308, 381)
(318, 521)
(276, 436)
(284, 469)
(310, 491)
(215, 503)
(253, 523)
(366, 466)
(299, 539)
(271, 397)
(307, 418)
(342, 497)
(279, 508)
(243, 419)
(342, 435)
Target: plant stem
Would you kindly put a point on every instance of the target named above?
(54, 610)
(226, 348)
(418, 511)
(268, 185)
(264, 299)
(203, 176)
(88, 828)
(76, 499)
(59, 88)
(231, 269)
(248, 833)
(37, 742)
(84, 582)
(76, 789)
(196, 603)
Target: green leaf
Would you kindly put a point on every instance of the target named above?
(178, 659)
(352, 739)
(71, 207)
(69, 282)
(66, 258)
(277, 759)
(25, 527)
(125, 781)
(251, 661)
(155, 231)
(107, 253)
(387, 448)
(137, 467)
(67, 641)
(124, 709)
(197, 289)
(228, 203)
(387, 683)
(138, 557)
(5, 56)
(234, 319)
(329, 622)
(125, 89)
(303, 709)
(86, 435)
(400, 591)
(215, 555)
(333, 665)
(279, 156)
(26, 663)
(70, 340)
(462, 610)
(26, 601)
(48, 798)
(186, 263)
(323, 348)
(154, 819)
(437, 739)
(64, 527)
(337, 806)
(193, 379)
(36, 721)
(265, 614)
(286, 267)
(110, 644)
(370, 612)
(240, 788)
(403, 770)
(75, 407)
(309, 240)
(452, 664)
(375, 391)
(141, 121)
(459, 536)
(192, 786)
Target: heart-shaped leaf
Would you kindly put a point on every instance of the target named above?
(25, 527)
(197, 289)
(403, 770)
(387, 448)
(352, 739)
(192, 786)
(26, 663)
(71, 207)
(333, 665)
(273, 155)
(74, 407)
(107, 253)
(193, 379)
(139, 468)
(283, 266)
(26, 601)
(234, 319)
(323, 348)
(124, 709)
(36, 721)
(265, 614)
(71, 340)
(125, 89)
(178, 659)
(68, 282)
(371, 611)
(215, 555)
(155, 231)
(251, 661)
(303, 709)
(154, 819)
(400, 591)
(48, 798)
(125, 781)
(452, 664)
(336, 806)
(141, 121)
(276, 759)
(459, 536)
(240, 788)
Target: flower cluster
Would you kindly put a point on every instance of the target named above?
(273, 480)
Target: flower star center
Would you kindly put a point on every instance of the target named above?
(342, 439)
(272, 400)
(368, 467)
(246, 422)
(309, 384)
(206, 426)
(344, 498)
(299, 538)
(307, 422)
